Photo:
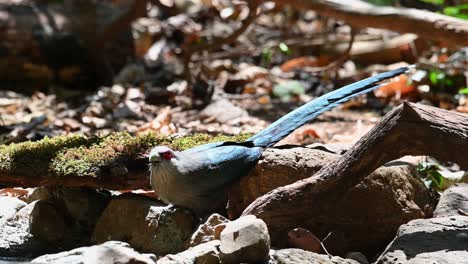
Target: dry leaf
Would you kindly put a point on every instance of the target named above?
(161, 124)
(398, 88)
(302, 62)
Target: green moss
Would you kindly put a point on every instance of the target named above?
(33, 157)
(187, 142)
(77, 155)
(111, 150)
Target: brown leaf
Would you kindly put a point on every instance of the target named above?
(302, 62)
(398, 88)
(161, 124)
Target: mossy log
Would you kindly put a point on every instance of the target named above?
(410, 129)
(117, 161)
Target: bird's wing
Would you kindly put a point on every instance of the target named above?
(295, 119)
(214, 168)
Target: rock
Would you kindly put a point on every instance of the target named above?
(357, 256)
(299, 256)
(304, 239)
(146, 224)
(435, 240)
(369, 214)
(112, 252)
(277, 167)
(15, 238)
(39, 193)
(8, 207)
(78, 207)
(336, 243)
(223, 111)
(62, 221)
(82, 206)
(46, 222)
(452, 200)
(245, 240)
(208, 231)
(206, 253)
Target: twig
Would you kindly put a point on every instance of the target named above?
(323, 246)
(342, 59)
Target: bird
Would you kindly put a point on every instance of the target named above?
(199, 178)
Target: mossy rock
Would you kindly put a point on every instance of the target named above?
(78, 155)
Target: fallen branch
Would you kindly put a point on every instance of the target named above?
(448, 30)
(335, 65)
(363, 51)
(410, 129)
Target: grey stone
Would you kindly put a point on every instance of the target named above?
(208, 231)
(39, 193)
(8, 207)
(146, 224)
(81, 207)
(357, 256)
(299, 256)
(112, 252)
(436, 240)
(15, 238)
(245, 240)
(206, 253)
(452, 200)
(223, 111)
(46, 222)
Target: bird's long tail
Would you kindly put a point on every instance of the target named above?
(295, 119)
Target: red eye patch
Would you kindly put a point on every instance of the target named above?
(167, 155)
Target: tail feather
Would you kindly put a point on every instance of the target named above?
(295, 119)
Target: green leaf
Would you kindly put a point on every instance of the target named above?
(267, 53)
(437, 179)
(463, 91)
(436, 76)
(284, 48)
(460, 11)
(286, 90)
(435, 2)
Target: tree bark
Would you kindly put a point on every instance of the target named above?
(410, 129)
(68, 43)
(428, 25)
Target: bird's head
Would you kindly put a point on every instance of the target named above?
(161, 153)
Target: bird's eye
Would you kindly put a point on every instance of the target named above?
(167, 155)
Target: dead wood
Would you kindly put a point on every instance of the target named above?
(410, 129)
(66, 43)
(428, 25)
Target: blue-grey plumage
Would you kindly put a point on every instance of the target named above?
(198, 178)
